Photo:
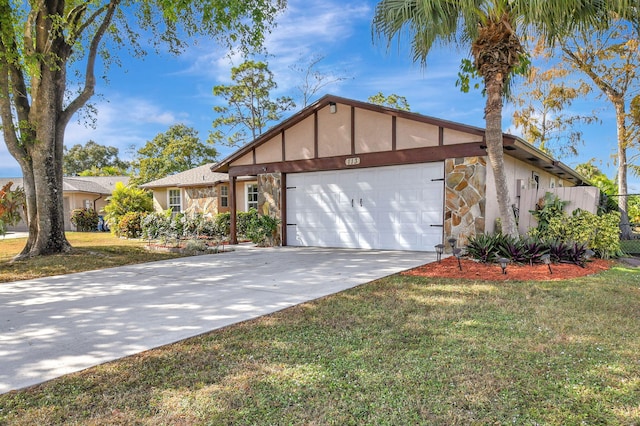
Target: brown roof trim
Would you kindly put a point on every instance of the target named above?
(371, 159)
(223, 166)
(514, 146)
(526, 152)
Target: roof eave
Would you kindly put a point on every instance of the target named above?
(546, 162)
(223, 166)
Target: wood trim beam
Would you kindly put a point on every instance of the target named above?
(394, 133)
(315, 135)
(232, 209)
(284, 147)
(283, 208)
(373, 159)
(353, 130)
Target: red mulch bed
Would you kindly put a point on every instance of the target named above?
(448, 268)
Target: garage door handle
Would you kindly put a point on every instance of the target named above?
(437, 226)
(360, 202)
(352, 202)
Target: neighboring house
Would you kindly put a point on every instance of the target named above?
(79, 192)
(199, 190)
(343, 173)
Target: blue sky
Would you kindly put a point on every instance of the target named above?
(145, 97)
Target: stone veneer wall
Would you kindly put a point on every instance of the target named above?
(465, 198)
(269, 190)
(202, 200)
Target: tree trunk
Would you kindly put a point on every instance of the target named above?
(493, 134)
(43, 177)
(625, 226)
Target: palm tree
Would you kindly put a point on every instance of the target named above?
(492, 30)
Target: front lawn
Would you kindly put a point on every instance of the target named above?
(91, 250)
(399, 351)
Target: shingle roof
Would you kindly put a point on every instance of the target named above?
(92, 184)
(198, 176)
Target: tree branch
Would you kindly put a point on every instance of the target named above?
(12, 86)
(90, 79)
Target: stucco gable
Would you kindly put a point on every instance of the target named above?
(332, 130)
(338, 126)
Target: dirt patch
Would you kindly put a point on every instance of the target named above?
(448, 268)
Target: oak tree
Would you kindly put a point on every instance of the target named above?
(177, 150)
(92, 159)
(46, 44)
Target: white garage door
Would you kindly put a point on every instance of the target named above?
(393, 207)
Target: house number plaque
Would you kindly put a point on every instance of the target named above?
(353, 161)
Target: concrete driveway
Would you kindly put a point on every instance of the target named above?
(54, 326)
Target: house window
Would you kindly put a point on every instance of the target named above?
(224, 196)
(252, 196)
(175, 200)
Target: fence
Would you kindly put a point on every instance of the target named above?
(631, 246)
(579, 197)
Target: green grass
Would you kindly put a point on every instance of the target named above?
(91, 250)
(398, 351)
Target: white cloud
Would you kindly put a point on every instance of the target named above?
(123, 122)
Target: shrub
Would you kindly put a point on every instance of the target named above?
(483, 247)
(11, 204)
(488, 248)
(195, 245)
(85, 220)
(600, 233)
(557, 250)
(548, 208)
(126, 199)
(223, 223)
(156, 226)
(192, 224)
(576, 253)
(243, 222)
(512, 248)
(130, 225)
(534, 249)
(261, 229)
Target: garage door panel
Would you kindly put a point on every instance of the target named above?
(368, 217)
(384, 207)
(430, 218)
(408, 217)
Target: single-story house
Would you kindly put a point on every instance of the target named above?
(79, 192)
(343, 173)
(200, 190)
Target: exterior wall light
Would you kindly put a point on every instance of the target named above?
(333, 107)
